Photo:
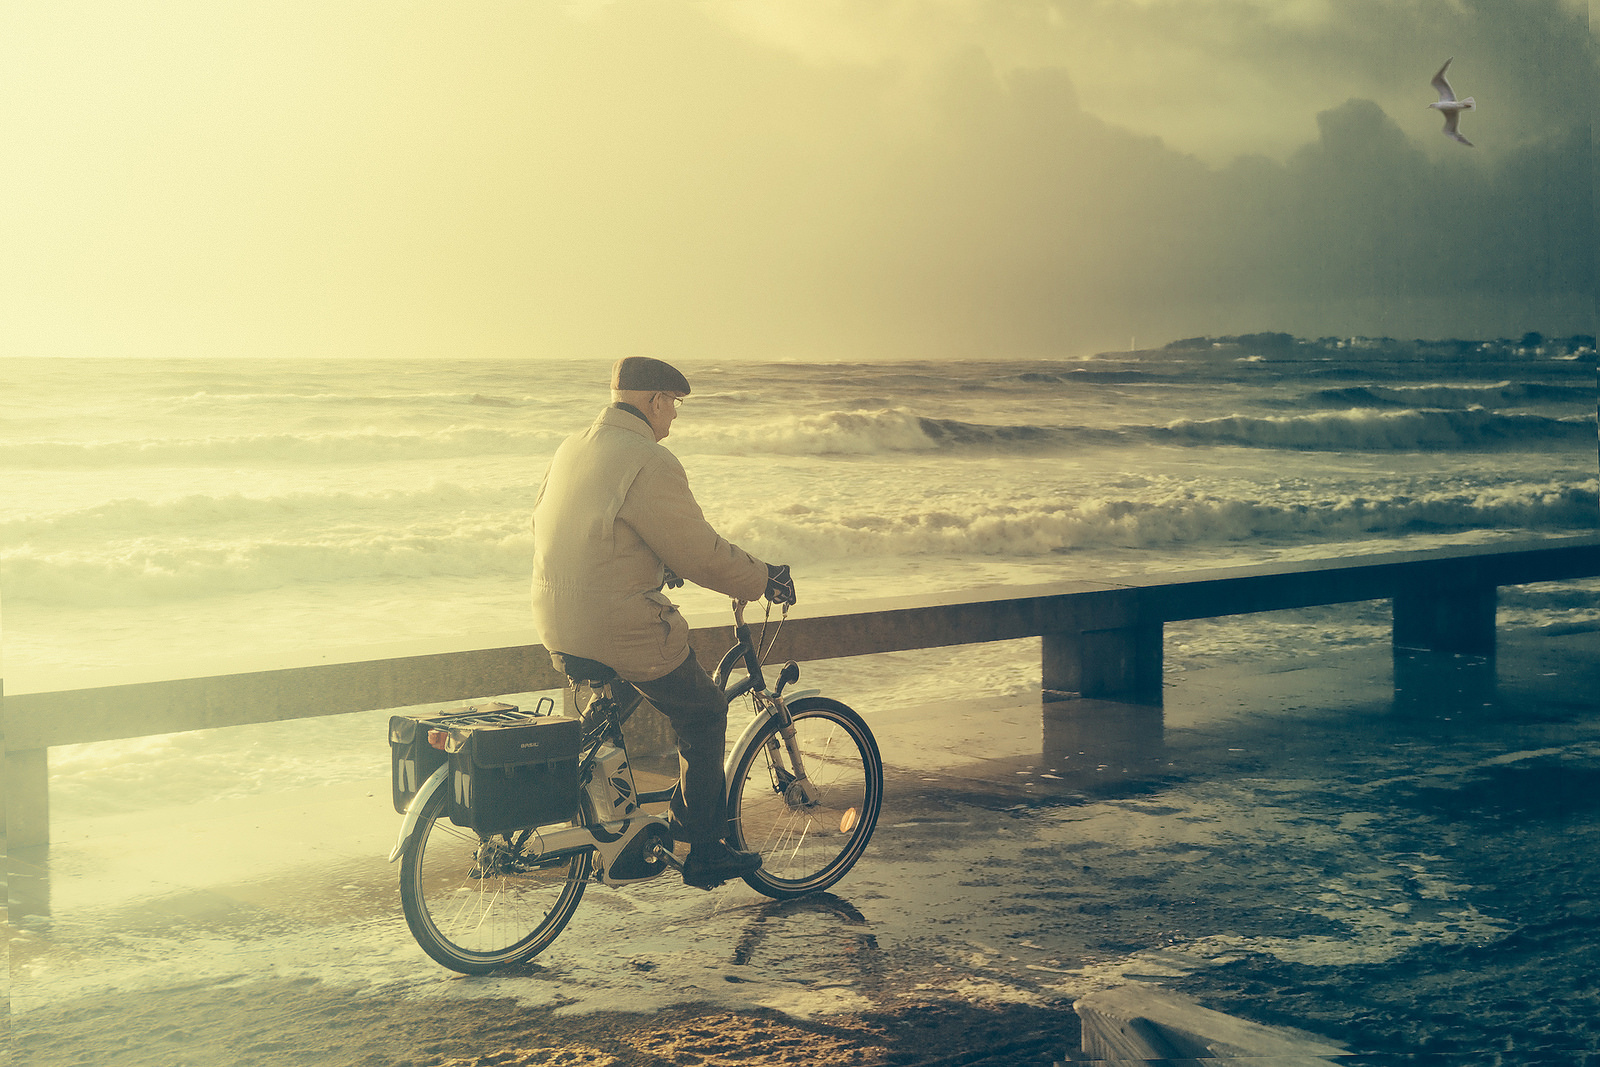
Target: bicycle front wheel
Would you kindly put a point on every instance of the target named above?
(475, 903)
(809, 831)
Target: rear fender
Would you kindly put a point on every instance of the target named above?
(408, 825)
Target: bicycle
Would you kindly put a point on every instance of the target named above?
(805, 785)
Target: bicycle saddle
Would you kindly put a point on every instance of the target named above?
(591, 672)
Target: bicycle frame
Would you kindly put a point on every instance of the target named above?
(612, 839)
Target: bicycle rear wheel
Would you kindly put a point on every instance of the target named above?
(809, 834)
(475, 904)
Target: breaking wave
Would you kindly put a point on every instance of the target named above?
(240, 545)
(1500, 394)
(861, 432)
(190, 515)
(357, 446)
(1362, 429)
(1368, 430)
(877, 432)
(1177, 518)
(138, 572)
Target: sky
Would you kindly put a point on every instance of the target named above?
(785, 179)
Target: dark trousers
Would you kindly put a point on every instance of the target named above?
(698, 712)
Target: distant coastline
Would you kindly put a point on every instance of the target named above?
(1579, 347)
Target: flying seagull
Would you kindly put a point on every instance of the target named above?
(1451, 107)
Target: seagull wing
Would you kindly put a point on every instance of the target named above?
(1451, 120)
(1445, 92)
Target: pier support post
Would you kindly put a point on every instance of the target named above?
(1459, 620)
(25, 781)
(1115, 664)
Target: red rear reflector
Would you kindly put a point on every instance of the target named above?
(437, 738)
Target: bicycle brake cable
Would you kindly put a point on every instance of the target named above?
(782, 617)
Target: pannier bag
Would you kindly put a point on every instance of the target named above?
(507, 775)
(413, 760)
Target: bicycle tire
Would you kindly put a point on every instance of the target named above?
(806, 846)
(473, 904)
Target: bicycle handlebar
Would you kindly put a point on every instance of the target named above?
(748, 650)
(747, 646)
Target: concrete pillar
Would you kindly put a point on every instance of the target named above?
(26, 786)
(1458, 620)
(1117, 664)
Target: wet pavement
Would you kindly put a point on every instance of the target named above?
(1403, 871)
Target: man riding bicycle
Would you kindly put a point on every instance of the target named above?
(613, 524)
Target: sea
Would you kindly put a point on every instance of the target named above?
(173, 515)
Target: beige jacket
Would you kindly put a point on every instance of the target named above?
(614, 513)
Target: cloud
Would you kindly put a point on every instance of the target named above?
(842, 179)
(1218, 78)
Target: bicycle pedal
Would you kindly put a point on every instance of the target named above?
(666, 857)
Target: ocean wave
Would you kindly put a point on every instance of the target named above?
(1500, 395)
(473, 543)
(353, 446)
(893, 430)
(144, 572)
(210, 400)
(877, 432)
(860, 432)
(1367, 430)
(1176, 517)
(133, 518)
(1096, 376)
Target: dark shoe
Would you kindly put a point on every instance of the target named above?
(709, 866)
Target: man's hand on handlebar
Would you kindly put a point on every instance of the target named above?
(780, 585)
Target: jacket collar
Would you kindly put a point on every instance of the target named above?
(625, 420)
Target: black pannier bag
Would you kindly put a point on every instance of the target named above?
(413, 760)
(510, 775)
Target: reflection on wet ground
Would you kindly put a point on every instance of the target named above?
(1401, 871)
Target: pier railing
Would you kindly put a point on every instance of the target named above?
(1101, 639)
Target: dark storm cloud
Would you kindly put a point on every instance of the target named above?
(1028, 219)
(1010, 215)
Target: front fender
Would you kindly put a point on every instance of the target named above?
(756, 722)
(408, 826)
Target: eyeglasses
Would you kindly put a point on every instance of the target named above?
(677, 401)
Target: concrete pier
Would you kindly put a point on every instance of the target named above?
(1101, 639)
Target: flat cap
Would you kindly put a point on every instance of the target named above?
(648, 375)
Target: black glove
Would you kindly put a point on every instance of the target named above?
(780, 587)
(672, 580)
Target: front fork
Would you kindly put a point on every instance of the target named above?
(794, 783)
